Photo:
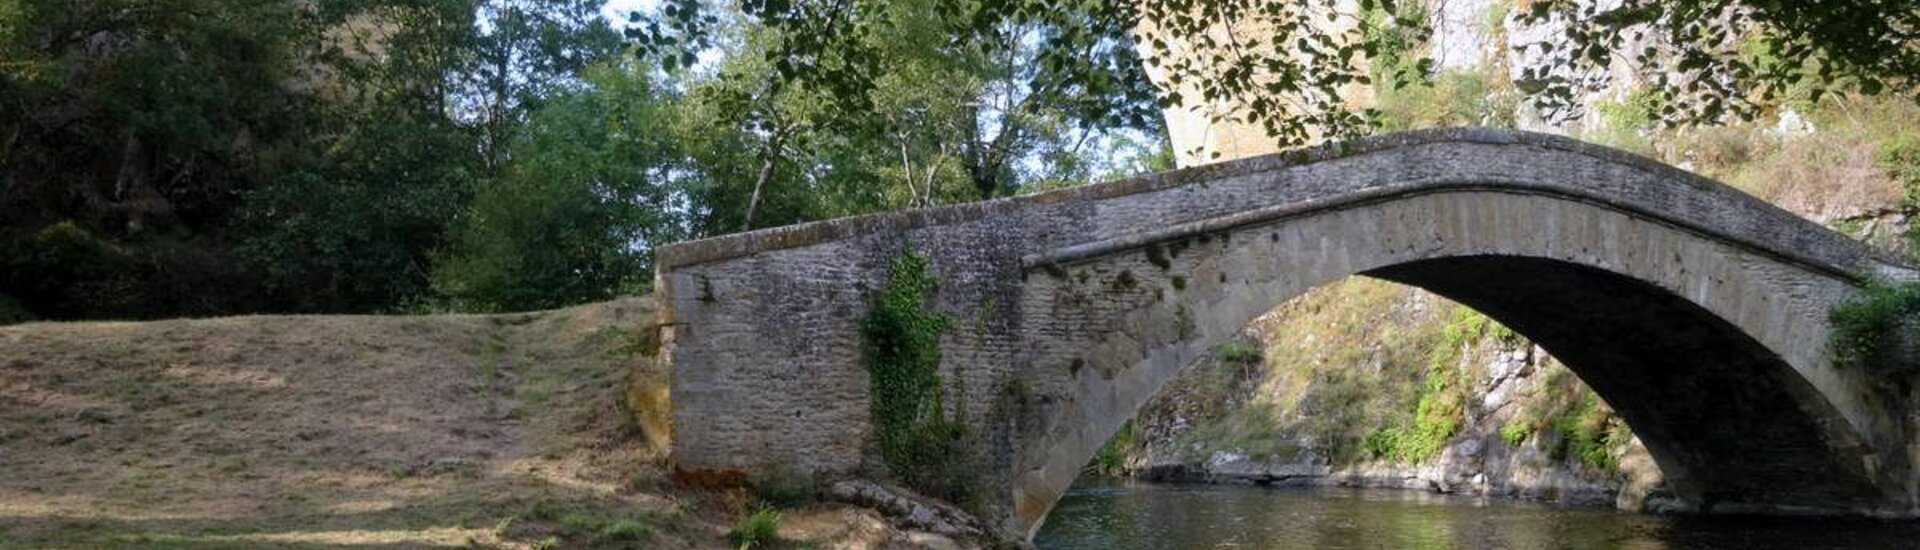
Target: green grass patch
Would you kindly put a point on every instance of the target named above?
(1111, 460)
(1515, 432)
(758, 530)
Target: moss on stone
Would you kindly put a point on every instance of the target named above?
(1054, 270)
(1157, 256)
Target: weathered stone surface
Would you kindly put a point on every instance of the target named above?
(1696, 311)
(1238, 467)
(915, 513)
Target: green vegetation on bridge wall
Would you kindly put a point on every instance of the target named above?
(1874, 329)
(918, 438)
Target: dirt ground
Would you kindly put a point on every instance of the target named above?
(505, 431)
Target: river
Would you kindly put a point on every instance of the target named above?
(1115, 515)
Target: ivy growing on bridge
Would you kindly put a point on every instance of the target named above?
(918, 438)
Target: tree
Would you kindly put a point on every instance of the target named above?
(167, 157)
(943, 118)
(527, 51)
(744, 136)
(591, 189)
(1717, 59)
(221, 156)
(355, 231)
(128, 131)
(1708, 59)
(142, 117)
(349, 221)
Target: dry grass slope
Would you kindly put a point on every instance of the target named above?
(330, 431)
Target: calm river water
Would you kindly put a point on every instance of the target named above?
(1141, 515)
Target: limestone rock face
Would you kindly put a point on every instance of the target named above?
(1205, 131)
(1467, 35)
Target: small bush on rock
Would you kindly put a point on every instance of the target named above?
(1589, 433)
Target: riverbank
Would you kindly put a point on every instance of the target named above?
(501, 431)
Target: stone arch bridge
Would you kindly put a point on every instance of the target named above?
(1696, 311)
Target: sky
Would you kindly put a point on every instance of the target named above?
(616, 10)
(616, 13)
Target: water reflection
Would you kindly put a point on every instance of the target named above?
(1140, 515)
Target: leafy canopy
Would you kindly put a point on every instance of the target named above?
(1288, 65)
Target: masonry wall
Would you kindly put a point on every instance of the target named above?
(763, 327)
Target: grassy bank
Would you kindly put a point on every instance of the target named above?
(256, 432)
(506, 431)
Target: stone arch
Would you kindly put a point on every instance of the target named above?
(1677, 332)
(1086, 300)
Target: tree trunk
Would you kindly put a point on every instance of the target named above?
(767, 157)
(976, 158)
(500, 86)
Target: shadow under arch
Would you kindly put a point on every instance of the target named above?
(1733, 427)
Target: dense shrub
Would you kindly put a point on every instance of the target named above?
(1870, 327)
(65, 272)
(12, 312)
(534, 245)
(1440, 406)
(1238, 352)
(1900, 158)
